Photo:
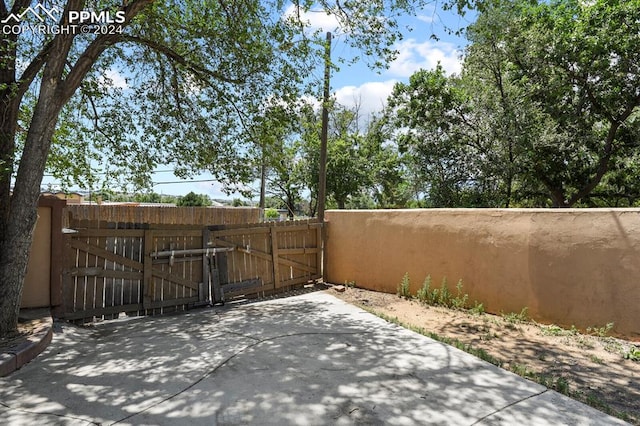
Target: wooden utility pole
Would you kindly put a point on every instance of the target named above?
(322, 184)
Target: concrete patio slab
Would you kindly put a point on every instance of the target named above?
(304, 360)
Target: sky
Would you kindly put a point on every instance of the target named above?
(356, 83)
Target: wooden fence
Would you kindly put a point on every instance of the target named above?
(265, 258)
(146, 271)
(98, 216)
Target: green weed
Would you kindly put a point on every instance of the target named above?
(596, 359)
(553, 330)
(600, 331)
(515, 318)
(477, 309)
(460, 301)
(424, 291)
(404, 287)
(442, 296)
(633, 354)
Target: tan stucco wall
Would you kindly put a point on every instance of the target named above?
(37, 289)
(568, 267)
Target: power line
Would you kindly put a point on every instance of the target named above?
(184, 181)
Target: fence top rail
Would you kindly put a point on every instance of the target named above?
(289, 223)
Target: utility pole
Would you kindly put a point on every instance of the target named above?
(322, 184)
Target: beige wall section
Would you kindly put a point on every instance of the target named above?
(37, 290)
(568, 267)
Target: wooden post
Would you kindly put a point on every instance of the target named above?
(322, 184)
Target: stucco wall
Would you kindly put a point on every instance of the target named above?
(37, 290)
(568, 267)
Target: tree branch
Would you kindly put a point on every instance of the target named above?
(33, 69)
(96, 47)
(17, 6)
(200, 71)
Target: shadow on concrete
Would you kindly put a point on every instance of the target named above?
(309, 359)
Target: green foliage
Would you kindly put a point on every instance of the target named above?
(443, 297)
(600, 331)
(516, 317)
(460, 301)
(545, 112)
(477, 308)
(271, 214)
(633, 354)
(404, 287)
(424, 292)
(194, 200)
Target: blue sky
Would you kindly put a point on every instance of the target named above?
(356, 83)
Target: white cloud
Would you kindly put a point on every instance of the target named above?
(313, 19)
(115, 79)
(429, 19)
(426, 55)
(370, 97)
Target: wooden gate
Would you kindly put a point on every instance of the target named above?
(111, 271)
(264, 258)
(108, 272)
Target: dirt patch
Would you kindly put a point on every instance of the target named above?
(589, 368)
(29, 330)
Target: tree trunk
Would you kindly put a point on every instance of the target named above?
(18, 225)
(11, 267)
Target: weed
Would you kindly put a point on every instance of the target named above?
(553, 330)
(522, 370)
(460, 301)
(351, 284)
(477, 309)
(403, 287)
(515, 318)
(562, 385)
(596, 359)
(559, 384)
(600, 331)
(613, 346)
(632, 354)
(585, 343)
(424, 292)
(444, 296)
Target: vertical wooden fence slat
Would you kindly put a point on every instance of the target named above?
(274, 256)
(148, 286)
(109, 271)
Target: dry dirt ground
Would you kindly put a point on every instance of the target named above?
(587, 367)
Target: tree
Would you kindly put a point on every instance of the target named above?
(441, 141)
(390, 183)
(194, 200)
(545, 109)
(574, 64)
(347, 171)
(195, 72)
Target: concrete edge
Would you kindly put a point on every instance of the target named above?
(25, 351)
